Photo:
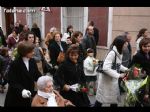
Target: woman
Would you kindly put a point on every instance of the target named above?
(47, 96)
(108, 87)
(48, 39)
(143, 33)
(69, 73)
(6, 60)
(38, 55)
(56, 48)
(142, 58)
(77, 38)
(12, 39)
(22, 74)
(68, 33)
(36, 31)
(2, 38)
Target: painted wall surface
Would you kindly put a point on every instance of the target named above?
(100, 17)
(53, 19)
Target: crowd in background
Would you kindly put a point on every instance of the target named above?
(45, 72)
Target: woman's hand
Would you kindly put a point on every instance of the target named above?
(122, 75)
(66, 87)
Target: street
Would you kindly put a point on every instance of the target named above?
(3, 95)
(92, 99)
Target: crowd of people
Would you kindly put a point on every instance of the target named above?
(62, 69)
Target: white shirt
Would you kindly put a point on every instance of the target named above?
(26, 62)
(137, 43)
(89, 67)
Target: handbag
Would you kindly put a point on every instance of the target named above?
(61, 57)
(115, 66)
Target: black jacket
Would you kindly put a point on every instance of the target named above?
(141, 59)
(89, 42)
(37, 32)
(55, 50)
(70, 73)
(20, 78)
(96, 35)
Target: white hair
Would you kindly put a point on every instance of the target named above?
(42, 82)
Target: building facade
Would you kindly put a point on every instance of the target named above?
(111, 21)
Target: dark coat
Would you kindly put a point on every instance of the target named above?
(19, 78)
(89, 42)
(37, 32)
(141, 59)
(55, 50)
(70, 73)
(82, 54)
(96, 35)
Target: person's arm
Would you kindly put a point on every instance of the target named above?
(37, 73)
(59, 76)
(61, 101)
(53, 56)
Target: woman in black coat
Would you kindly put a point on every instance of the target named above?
(69, 73)
(22, 75)
(55, 49)
(143, 56)
(36, 31)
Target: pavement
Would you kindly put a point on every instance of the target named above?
(3, 95)
(92, 99)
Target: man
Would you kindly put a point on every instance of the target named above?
(89, 40)
(96, 31)
(127, 53)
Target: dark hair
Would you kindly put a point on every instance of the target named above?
(141, 32)
(75, 35)
(72, 49)
(4, 50)
(24, 48)
(70, 26)
(15, 30)
(119, 41)
(89, 50)
(91, 23)
(26, 37)
(126, 33)
(144, 42)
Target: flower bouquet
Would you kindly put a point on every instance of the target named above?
(79, 88)
(15, 54)
(82, 88)
(133, 82)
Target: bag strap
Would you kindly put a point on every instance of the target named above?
(115, 55)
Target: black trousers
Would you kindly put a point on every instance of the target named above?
(98, 104)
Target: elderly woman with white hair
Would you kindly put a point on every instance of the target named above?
(48, 97)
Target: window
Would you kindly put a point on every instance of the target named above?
(75, 16)
(34, 17)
